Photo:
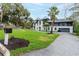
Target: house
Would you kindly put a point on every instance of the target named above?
(38, 25)
(59, 26)
(63, 26)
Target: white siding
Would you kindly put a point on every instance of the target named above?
(39, 24)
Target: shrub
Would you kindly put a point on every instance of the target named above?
(76, 28)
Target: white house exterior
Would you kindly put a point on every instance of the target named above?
(59, 26)
(63, 26)
(38, 25)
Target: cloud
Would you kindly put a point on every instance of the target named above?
(40, 9)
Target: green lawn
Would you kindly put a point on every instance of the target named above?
(37, 40)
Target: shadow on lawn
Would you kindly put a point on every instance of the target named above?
(15, 43)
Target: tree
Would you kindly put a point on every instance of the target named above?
(76, 27)
(12, 12)
(4, 13)
(21, 12)
(75, 11)
(75, 17)
(53, 11)
(29, 23)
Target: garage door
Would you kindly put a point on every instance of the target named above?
(64, 30)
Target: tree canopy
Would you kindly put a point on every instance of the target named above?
(14, 13)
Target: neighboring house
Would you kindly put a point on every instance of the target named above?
(59, 26)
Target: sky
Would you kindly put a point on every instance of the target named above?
(39, 10)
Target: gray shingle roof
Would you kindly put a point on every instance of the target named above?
(61, 20)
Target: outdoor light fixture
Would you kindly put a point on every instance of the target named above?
(8, 29)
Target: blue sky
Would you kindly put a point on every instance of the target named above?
(40, 9)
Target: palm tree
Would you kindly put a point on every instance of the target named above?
(53, 11)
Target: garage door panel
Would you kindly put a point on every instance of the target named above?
(64, 30)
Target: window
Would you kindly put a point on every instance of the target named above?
(55, 28)
(48, 28)
(39, 28)
(40, 22)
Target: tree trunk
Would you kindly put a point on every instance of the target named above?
(46, 29)
(51, 28)
(52, 24)
(1, 16)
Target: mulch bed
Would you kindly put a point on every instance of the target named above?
(15, 43)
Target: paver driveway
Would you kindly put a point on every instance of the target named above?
(65, 45)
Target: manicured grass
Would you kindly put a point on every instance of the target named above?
(37, 40)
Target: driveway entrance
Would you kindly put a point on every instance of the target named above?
(65, 45)
(64, 29)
